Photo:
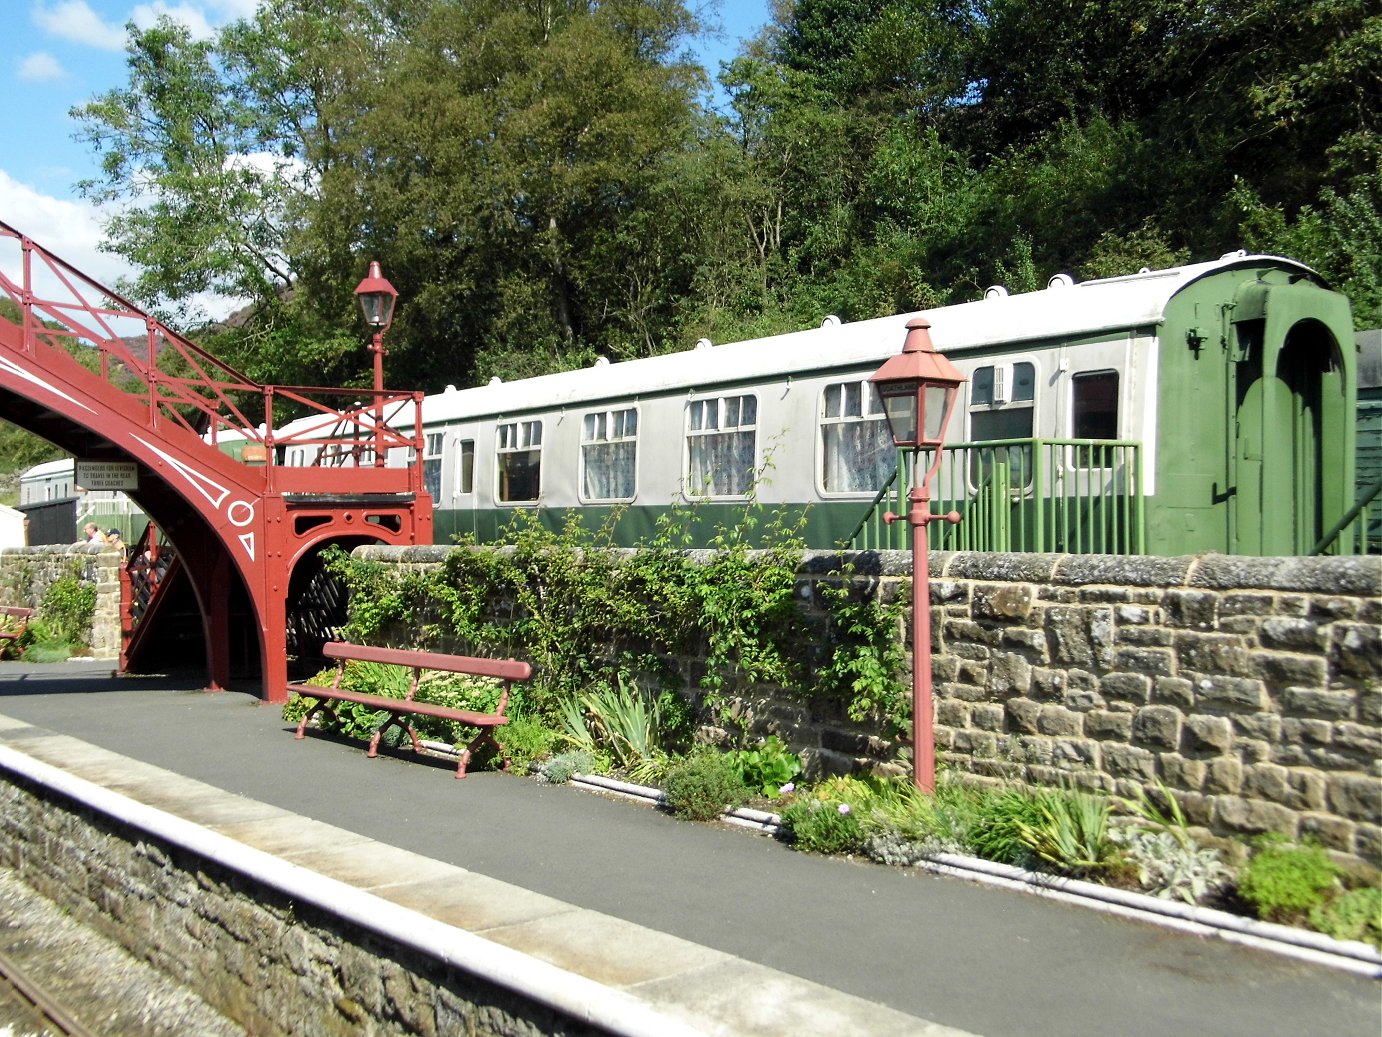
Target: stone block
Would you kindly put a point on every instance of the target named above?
(1108, 726)
(1181, 773)
(1230, 692)
(987, 716)
(1265, 727)
(1153, 662)
(1309, 790)
(1253, 816)
(1252, 750)
(1295, 731)
(1228, 655)
(1193, 610)
(1127, 687)
(1136, 615)
(1357, 650)
(1333, 833)
(1157, 727)
(1004, 602)
(1370, 705)
(1291, 634)
(1072, 753)
(1360, 738)
(1367, 844)
(1082, 700)
(1031, 641)
(1127, 761)
(1173, 691)
(1279, 669)
(1266, 781)
(1057, 720)
(1224, 776)
(1207, 734)
(1145, 637)
(1069, 636)
(1254, 605)
(1022, 715)
(952, 712)
(1010, 673)
(1332, 703)
(1357, 797)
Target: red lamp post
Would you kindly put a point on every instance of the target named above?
(918, 389)
(377, 298)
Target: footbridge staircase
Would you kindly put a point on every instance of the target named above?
(91, 373)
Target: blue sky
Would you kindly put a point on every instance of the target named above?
(58, 54)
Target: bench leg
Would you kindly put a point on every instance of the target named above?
(482, 738)
(395, 720)
(307, 717)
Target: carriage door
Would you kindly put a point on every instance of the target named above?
(1293, 443)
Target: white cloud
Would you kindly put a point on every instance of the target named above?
(189, 14)
(76, 22)
(71, 230)
(41, 68)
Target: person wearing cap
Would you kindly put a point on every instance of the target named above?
(114, 539)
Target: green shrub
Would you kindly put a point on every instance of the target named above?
(66, 611)
(995, 829)
(1353, 915)
(700, 787)
(1284, 882)
(563, 767)
(766, 769)
(526, 739)
(1070, 833)
(1169, 867)
(830, 817)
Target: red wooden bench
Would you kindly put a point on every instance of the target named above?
(506, 670)
(14, 620)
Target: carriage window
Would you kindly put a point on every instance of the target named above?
(519, 456)
(609, 454)
(721, 440)
(431, 463)
(1002, 402)
(1094, 414)
(465, 462)
(857, 451)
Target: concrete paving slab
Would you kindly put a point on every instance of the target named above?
(473, 902)
(369, 866)
(284, 832)
(610, 951)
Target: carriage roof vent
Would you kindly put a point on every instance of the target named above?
(1234, 255)
(995, 291)
(601, 361)
(450, 388)
(496, 380)
(831, 321)
(703, 343)
(1060, 281)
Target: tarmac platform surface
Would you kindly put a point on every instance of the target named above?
(863, 948)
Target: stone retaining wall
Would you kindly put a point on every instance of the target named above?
(1252, 687)
(276, 966)
(26, 573)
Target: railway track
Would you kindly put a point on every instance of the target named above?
(55, 1014)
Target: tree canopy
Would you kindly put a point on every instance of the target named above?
(550, 181)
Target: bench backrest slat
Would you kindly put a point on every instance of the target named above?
(503, 669)
(15, 610)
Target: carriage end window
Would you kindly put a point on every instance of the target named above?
(609, 455)
(857, 451)
(721, 444)
(1094, 414)
(519, 461)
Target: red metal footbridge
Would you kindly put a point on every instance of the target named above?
(91, 373)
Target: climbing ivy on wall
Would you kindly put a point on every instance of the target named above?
(588, 615)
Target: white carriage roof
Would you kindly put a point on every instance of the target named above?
(39, 471)
(1064, 309)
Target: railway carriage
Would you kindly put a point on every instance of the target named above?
(1202, 408)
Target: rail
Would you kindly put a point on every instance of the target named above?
(1359, 531)
(178, 384)
(1065, 495)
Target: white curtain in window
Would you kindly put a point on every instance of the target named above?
(859, 456)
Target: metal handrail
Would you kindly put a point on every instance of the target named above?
(1029, 495)
(1359, 508)
(177, 381)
